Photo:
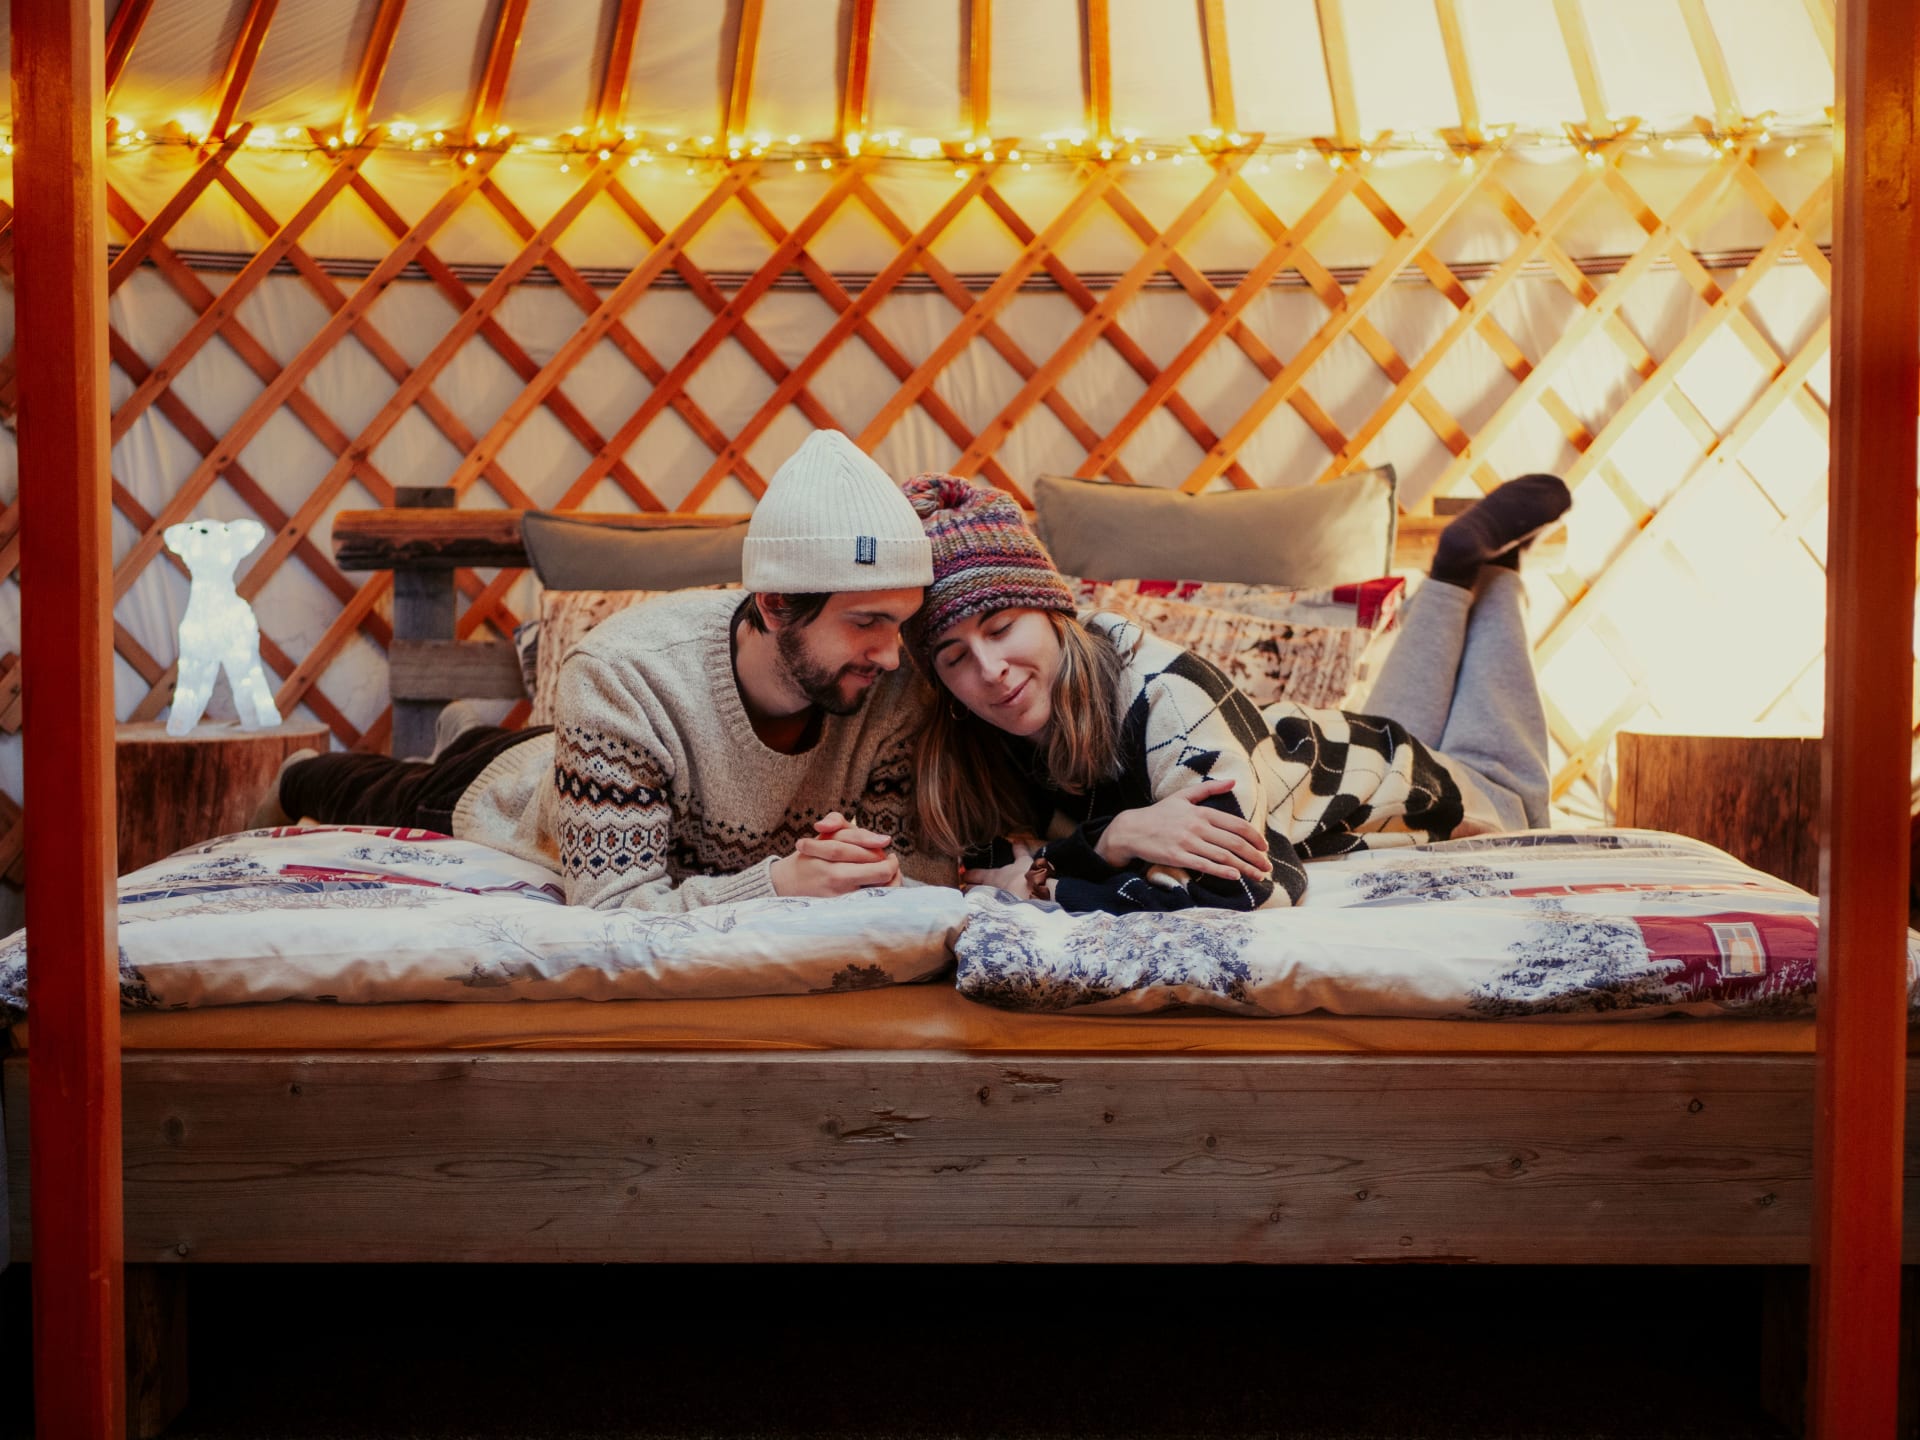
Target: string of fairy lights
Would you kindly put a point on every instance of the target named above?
(697, 152)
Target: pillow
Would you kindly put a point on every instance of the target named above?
(1309, 647)
(573, 554)
(565, 618)
(1307, 536)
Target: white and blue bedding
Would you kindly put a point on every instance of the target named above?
(1547, 923)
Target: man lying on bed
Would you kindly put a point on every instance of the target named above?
(706, 746)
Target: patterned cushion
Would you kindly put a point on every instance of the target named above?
(1307, 646)
(565, 618)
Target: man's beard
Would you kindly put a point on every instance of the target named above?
(820, 685)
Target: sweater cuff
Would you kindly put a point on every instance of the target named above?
(749, 884)
(1076, 853)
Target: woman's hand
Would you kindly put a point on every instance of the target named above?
(1182, 832)
(1010, 878)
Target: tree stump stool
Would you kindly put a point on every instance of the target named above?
(176, 791)
(1755, 796)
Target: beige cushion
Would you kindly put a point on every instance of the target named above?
(1305, 536)
(570, 554)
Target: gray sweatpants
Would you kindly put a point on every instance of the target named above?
(1461, 678)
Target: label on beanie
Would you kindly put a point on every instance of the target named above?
(866, 550)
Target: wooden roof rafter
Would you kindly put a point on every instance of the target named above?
(746, 45)
(859, 84)
(1339, 63)
(246, 54)
(373, 67)
(1097, 42)
(979, 67)
(1213, 22)
(492, 93)
(1713, 63)
(1454, 41)
(611, 107)
(1820, 12)
(127, 23)
(1573, 30)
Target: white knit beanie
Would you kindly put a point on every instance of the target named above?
(832, 520)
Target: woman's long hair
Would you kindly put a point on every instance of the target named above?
(968, 781)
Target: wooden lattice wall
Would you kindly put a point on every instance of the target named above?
(1581, 610)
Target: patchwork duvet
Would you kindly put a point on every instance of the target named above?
(351, 915)
(1575, 923)
(1546, 923)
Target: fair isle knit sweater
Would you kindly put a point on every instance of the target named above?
(654, 792)
(1319, 782)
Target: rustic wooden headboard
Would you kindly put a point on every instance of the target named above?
(424, 540)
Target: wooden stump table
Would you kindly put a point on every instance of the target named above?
(1755, 796)
(176, 791)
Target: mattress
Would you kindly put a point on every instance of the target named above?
(924, 1017)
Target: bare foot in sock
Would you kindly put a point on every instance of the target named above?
(1495, 531)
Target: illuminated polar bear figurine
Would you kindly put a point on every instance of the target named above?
(218, 629)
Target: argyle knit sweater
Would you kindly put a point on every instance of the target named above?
(1318, 782)
(653, 791)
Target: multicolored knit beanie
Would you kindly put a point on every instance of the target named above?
(985, 558)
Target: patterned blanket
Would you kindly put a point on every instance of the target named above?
(1549, 923)
(353, 916)
(1579, 923)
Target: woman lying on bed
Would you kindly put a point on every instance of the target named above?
(1079, 758)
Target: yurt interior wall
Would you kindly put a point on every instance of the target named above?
(1199, 244)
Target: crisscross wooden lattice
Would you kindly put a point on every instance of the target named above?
(1409, 252)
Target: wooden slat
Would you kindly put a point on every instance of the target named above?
(1573, 32)
(1003, 344)
(373, 67)
(1707, 189)
(677, 1158)
(1339, 65)
(1453, 40)
(991, 302)
(1472, 310)
(501, 49)
(244, 284)
(1099, 46)
(60, 314)
(263, 406)
(980, 67)
(1124, 345)
(859, 81)
(746, 44)
(1713, 62)
(128, 21)
(1452, 194)
(616, 303)
(446, 539)
(851, 319)
(1097, 319)
(611, 108)
(1201, 291)
(1213, 26)
(1860, 1078)
(454, 670)
(246, 54)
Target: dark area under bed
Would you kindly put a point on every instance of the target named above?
(319, 1352)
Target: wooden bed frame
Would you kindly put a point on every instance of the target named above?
(917, 1156)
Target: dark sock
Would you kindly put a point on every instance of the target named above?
(1495, 531)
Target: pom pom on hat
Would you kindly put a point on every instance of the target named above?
(832, 520)
(985, 558)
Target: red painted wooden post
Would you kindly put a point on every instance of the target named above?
(60, 307)
(1860, 1083)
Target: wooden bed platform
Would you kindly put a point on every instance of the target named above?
(916, 1156)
